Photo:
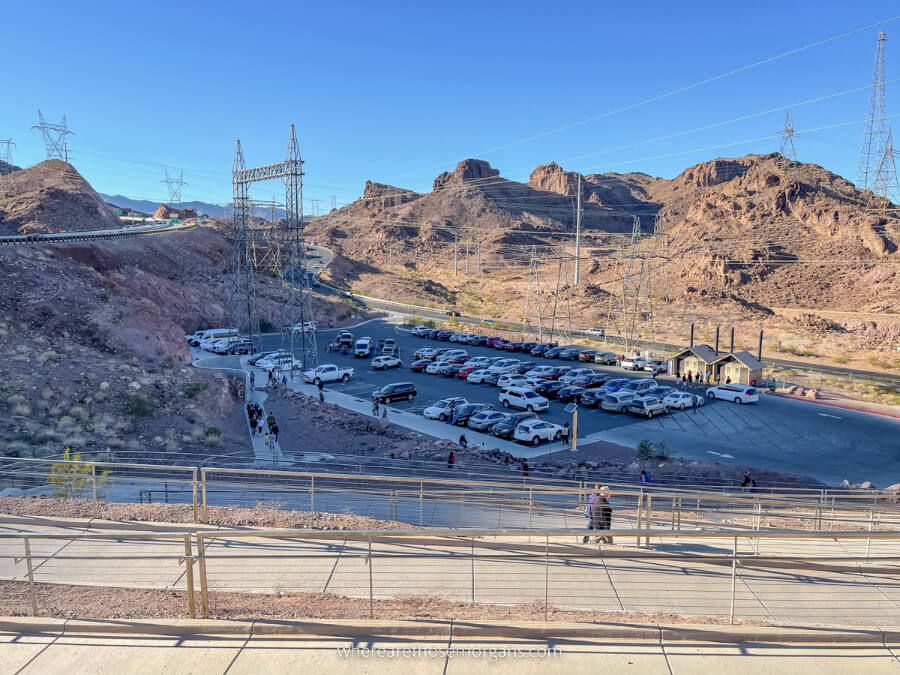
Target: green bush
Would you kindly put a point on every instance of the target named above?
(138, 406)
(645, 450)
(193, 389)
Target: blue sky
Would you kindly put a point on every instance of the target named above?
(399, 91)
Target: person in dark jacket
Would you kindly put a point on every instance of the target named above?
(603, 514)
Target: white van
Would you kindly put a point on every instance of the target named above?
(363, 348)
(523, 398)
(211, 334)
(389, 348)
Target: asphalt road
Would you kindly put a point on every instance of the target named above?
(784, 435)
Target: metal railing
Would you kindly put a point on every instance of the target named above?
(769, 576)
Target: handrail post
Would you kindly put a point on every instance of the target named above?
(733, 578)
(194, 493)
(530, 505)
(94, 480)
(371, 592)
(546, 577)
(640, 505)
(30, 568)
(203, 493)
(421, 503)
(869, 539)
(204, 588)
(648, 518)
(312, 493)
(189, 575)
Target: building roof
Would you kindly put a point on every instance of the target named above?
(703, 352)
(746, 359)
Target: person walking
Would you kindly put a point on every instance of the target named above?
(266, 439)
(589, 513)
(252, 379)
(683, 381)
(451, 460)
(603, 512)
(259, 425)
(275, 432)
(270, 420)
(566, 431)
(375, 408)
(525, 469)
(463, 441)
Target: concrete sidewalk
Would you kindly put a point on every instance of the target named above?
(447, 647)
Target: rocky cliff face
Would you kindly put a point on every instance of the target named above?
(379, 196)
(466, 171)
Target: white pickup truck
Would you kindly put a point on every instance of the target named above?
(327, 373)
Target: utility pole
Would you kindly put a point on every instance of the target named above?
(54, 137)
(174, 186)
(578, 235)
(875, 136)
(885, 185)
(533, 300)
(315, 206)
(333, 202)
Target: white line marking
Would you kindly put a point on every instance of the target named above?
(723, 455)
(834, 417)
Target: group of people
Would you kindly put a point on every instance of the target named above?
(263, 425)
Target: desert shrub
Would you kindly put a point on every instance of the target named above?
(193, 389)
(49, 355)
(212, 436)
(645, 450)
(138, 406)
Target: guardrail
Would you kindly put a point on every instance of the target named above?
(456, 503)
(68, 237)
(693, 573)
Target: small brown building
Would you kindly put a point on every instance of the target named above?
(739, 368)
(695, 361)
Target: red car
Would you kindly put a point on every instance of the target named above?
(493, 340)
(458, 360)
(587, 355)
(558, 373)
(419, 366)
(464, 372)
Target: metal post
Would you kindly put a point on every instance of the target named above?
(371, 596)
(733, 578)
(869, 539)
(472, 556)
(30, 568)
(500, 515)
(546, 577)
(649, 518)
(189, 575)
(203, 493)
(94, 480)
(578, 235)
(421, 503)
(530, 504)
(312, 493)
(204, 589)
(640, 506)
(194, 493)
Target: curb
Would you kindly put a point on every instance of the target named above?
(835, 405)
(460, 629)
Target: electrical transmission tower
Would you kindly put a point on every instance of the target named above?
(6, 148)
(333, 202)
(563, 291)
(636, 287)
(532, 317)
(884, 186)
(54, 137)
(175, 186)
(787, 151)
(875, 137)
(291, 303)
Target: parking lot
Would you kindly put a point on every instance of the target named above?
(783, 435)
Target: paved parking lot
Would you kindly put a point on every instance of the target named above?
(784, 435)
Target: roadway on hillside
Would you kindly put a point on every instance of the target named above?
(779, 434)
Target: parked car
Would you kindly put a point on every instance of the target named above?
(524, 367)
(256, 358)
(434, 367)
(541, 371)
(558, 372)
(595, 379)
(575, 373)
(606, 358)
(451, 369)
(478, 341)
(632, 363)
(553, 352)
(523, 398)
(570, 393)
(485, 420)
(363, 348)
(682, 400)
(477, 376)
(570, 354)
(327, 372)
(345, 338)
(614, 385)
(656, 367)
(647, 406)
(587, 355)
(662, 392)
(419, 366)
(242, 346)
(443, 335)
(591, 398)
(617, 401)
(464, 371)
(511, 379)
(504, 366)
(535, 431)
(490, 378)
(542, 348)
(385, 362)
(455, 355)
(425, 353)
(441, 410)
(478, 362)
(420, 331)
(596, 332)
(305, 327)
(276, 362)
(506, 427)
(549, 388)
(737, 393)
(462, 413)
(640, 387)
(389, 347)
(398, 391)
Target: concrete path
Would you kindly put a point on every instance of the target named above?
(666, 578)
(449, 648)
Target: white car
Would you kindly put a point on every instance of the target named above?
(305, 327)
(596, 332)
(452, 354)
(575, 373)
(633, 363)
(271, 362)
(418, 331)
(504, 366)
(477, 376)
(434, 368)
(655, 367)
(738, 393)
(443, 408)
(512, 380)
(522, 398)
(427, 353)
(478, 362)
(385, 362)
(535, 431)
(679, 400)
(286, 365)
(541, 372)
(327, 372)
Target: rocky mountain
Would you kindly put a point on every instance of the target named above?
(52, 197)
(203, 208)
(757, 227)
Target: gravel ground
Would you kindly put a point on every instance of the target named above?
(263, 516)
(90, 602)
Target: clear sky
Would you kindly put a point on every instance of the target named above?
(399, 91)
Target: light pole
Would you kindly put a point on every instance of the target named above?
(573, 409)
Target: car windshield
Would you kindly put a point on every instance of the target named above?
(529, 394)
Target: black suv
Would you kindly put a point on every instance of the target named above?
(399, 391)
(505, 428)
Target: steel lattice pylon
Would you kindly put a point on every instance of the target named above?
(280, 244)
(54, 137)
(174, 186)
(875, 136)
